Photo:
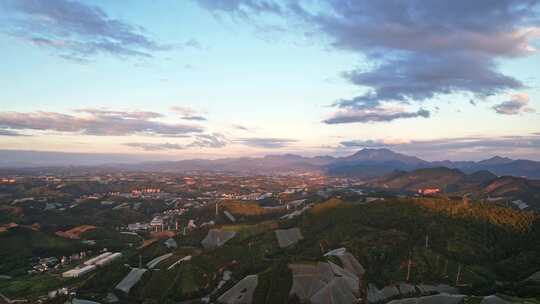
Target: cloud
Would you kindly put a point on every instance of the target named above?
(516, 105)
(191, 43)
(270, 143)
(373, 115)
(452, 143)
(120, 114)
(415, 50)
(95, 122)
(241, 7)
(11, 133)
(196, 117)
(241, 127)
(187, 113)
(77, 31)
(462, 147)
(214, 140)
(155, 146)
(370, 143)
(420, 77)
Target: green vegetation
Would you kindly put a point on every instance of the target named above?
(238, 208)
(430, 240)
(274, 285)
(19, 244)
(111, 239)
(29, 285)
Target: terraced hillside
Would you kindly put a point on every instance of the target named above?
(427, 244)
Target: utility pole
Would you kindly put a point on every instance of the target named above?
(250, 255)
(322, 247)
(217, 209)
(427, 241)
(409, 264)
(458, 275)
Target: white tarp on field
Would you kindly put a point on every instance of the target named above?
(426, 289)
(374, 295)
(335, 292)
(184, 259)
(309, 278)
(406, 289)
(131, 279)
(216, 238)
(288, 237)
(296, 213)
(347, 277)
(324, 283)
(81, 301)
(493, 299)
(229, 216)
(153, 263)
(435, 299)
(242, 292)
(535, 277)
(441, 288)
(349, 262)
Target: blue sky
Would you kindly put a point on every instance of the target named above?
(267, 77)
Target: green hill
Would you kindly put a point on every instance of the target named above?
(19, 244)
(488, 243)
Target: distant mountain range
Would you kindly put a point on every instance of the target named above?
(366, 163)
(376, 162)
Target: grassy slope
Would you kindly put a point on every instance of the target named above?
(19, 244)
(383, 235)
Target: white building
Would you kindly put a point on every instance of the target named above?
(93, 260)
(77, 272)
(157, 223)
(108, 259)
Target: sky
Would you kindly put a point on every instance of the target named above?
(168, 79)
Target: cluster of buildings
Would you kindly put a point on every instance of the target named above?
(45, 264)
(7, 180)
(167, 220)
(521, 205)
(429, 191)
(256, 196)
(138, 227)
(54, 263)
(147, 192)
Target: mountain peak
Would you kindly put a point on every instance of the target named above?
(374, 153)
(496, 160)
(383, 155)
